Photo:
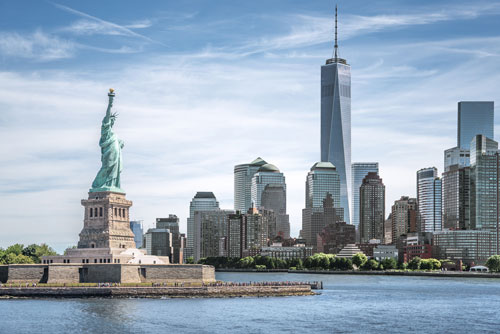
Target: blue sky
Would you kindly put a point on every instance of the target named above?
(204, 85)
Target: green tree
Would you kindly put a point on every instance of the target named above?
(12, 258)
(359, 259)
(493, 263)
(371, 265)
(190, 260)
(389, 263)
(414, 264)
(16, 249)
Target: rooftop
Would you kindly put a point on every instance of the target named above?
(269, 168)
(323, 165)
(204, 194)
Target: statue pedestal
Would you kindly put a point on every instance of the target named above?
(106, 221)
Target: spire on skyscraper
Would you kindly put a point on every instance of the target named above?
(336, 45)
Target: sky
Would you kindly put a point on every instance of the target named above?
(204, 85)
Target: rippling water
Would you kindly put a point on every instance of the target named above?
(348, 304)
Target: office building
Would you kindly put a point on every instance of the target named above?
(335, 236)
(159, 241)
(359, 171)
(383, 252)
(274, 198)
(171, 223)
(371, 208)
(470, 246)
(322, 179)
(429, 199)
(456, 198)
(243, 175)
(315, 219)
(474, 118)
(404, 217)
(209, 228)
(456, 156)
(202, 201)
(136, 227)
(336, 121)
(484, 184)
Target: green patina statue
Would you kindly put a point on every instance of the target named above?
(108, 177)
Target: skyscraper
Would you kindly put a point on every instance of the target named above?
(136, 227)
(202, 201)
(171, 223)
(474, 118)
(322, 179)
(243, 175)
(456, 197)
(336, 120)
(371, 208)
(404, 217)
(429, 200)
(209, 228)
(359, 171)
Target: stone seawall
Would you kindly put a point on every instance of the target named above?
(155, 292)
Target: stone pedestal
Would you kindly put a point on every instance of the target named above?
(106, 222)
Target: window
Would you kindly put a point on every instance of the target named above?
(100, 260)
(95, 260)
(91, 212)
(109, 260)
(100, 212)
(116, 212)
(95, 212)
(83, 261)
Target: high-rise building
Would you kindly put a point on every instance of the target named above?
(243, 175)
(336, 120)
(209, 228)
(171, 223)
(202, 201)
(485, 184)
(136, 227)
(315, 219)
(335, 236)
(474, 118)
(371, 208)
(404, 217)
(429, 199)
(274, 198)
(359, 171)
(159, 241)
(456, 156)
(322, 179)
(456, 197)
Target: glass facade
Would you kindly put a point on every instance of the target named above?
(136, 227)
(474, 118)
(468, 245)
(371, 208)
(274, 198)
(209, 228)
(429, 200)
(484, 184)
(456, 156)
(456, 198)
(322, 179)
(243, 175)
(202, 201)
(336, 123)
(359, 171)
(266, 175)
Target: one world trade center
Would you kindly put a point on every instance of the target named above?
(336, 120)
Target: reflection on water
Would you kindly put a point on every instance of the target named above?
(348, 304)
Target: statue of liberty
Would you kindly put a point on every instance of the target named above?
(108, 177)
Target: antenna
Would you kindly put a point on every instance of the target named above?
(336, 45)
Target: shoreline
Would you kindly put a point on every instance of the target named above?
(155, 292)
(460, 274)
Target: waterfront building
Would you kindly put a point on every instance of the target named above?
(178, 240)
(359, 171)
(159, 241)
(349, 251)
(474, 118)
(429, 199)
(336, 120)
(274, 198)
(372, 208)
(368, 247)
(404, 217)
(136, 227)
(470, 246)
(286, 253)
(243, 175)
(202, 201)
(456, 156)
(235, 233)
(322, 179)
(484, 184)
(258, 226)
(209, 228)
(315, 219)
(456, 197)
(335, 236)
(383, 252)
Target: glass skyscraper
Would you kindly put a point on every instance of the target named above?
(474, 118)
(429, 199)
(136, 227)
(267, 174)
(323, 179)
(336, 121)
(359, 171)
(243, 175)
(202, 201)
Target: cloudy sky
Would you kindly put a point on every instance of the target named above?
(204, 85)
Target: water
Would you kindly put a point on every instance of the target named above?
(348, 304)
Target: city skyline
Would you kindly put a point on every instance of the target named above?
(59, 64)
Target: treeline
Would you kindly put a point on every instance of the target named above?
(18, 254)
(320, 261)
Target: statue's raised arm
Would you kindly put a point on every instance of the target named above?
(108, 177)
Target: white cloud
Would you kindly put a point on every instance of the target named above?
(38, 46)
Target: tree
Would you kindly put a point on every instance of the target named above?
(493, 263)
(389, 263)
(190, 260)
(371, 265)
(414, 264)
(16, 249)
(359, 259)
(12, 258)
